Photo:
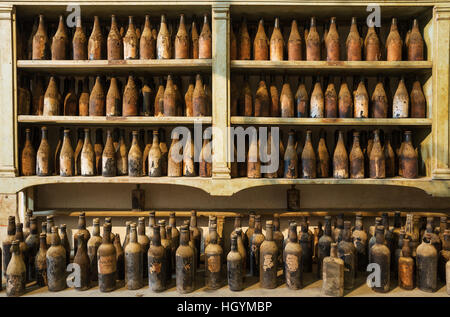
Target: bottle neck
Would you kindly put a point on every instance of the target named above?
(379, 236)
(43, 242)
(327, 230)
(269, 232)
(133, 234)
(193, 222)
(141, 228)
(11, 226)
(184, 237)
(156, 238)
(293, 233)
(234, 244)
(251, 222)
(96, 230)
(106, 234)
(172, 221)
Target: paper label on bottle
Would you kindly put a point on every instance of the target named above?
(107, 264)
(155, 267)
(214, 263)
(268, 263)
(292, 262)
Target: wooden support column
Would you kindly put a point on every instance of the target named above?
(8, 166)
(441, 87)
(221, 91)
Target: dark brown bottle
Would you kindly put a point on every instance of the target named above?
(92, 247)
(276, 43)
(83, 274)
(359, 237)
(70, 104)
(194, 39)
(157, 262)
(291, 158)
(306, 244)
(415, 43)
(41, 261)
(426, 265)
(345, 101)
(144, 242)
(444, 254)
(262, 100)
(340, 158)
(294, 45)
(292, 257)
(133, 262)
(331, 102)
(324, 246)
(361, 100)
(52, 99)
(381, 255)
(353, 43)
(81, 229)
(97, 99)
(98, 150)
(312, 40)
(83, 97)
(147, 43)
(199, 98)
(253, 160)
(418, 101)
(278, 237)
(37, 96)
(347, 252)
(286, 100)
(195, 235)
(130, 41)
(32, 242)
(79, 42)
(268, 259)
(244, 50)
(49, 225)
(166, 242)
(189, 168)
(107, 261)
(377, 164)
(308, 158)
(323, 157)
(245, 103)
(261, 43)
(60, 41)
(233, 43)
(65, 242)
(317, 100)
(213, 261)
(40, 41)
(66, 156)
(95, 44)
(182, 40)
(408, 158)
(205, 40)
(255, 243)
(135, 157)
(406, 275)
(130, 98)
(114, 41)
(379, 101)
(235, 272)
(159, 99)
(301, 100)
(15, 272)
(56, 264)
(389, 157)
(205, 164)
(248, 235)
(356, 158)
(28, 156)
(169, 98)
(185, 263)
(121, 155)
(113, 99)
(108, 165)
(332, 42)
(372, 45)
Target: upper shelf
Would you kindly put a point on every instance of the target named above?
(94, 120)
(340, 67)
(90, 67)
(426, 122)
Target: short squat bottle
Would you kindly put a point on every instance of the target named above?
(333, 274)
(268, 259)
(380, 254)
(107, 262)
(185, 262)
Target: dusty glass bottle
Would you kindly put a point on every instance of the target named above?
(81, 229)
(7, 242)
(361, 100)
(133, 262)
(286, 100)
(291, 158)
(409, 161)
(372, 45)
(92, 248)
(130, 41)
(308, 158)
(28, 156)
(415, 43)
(83, 97)
(157, 262)
(65, 242)
(379, 101)
(52, 99)
(213, 261)
(268, 259)
(305, 241)
(345, 101)
(15, 272)
(108, 157)
(377, 163)
(400, 103)
(135, 157)
(66, 156)
(130, 98)
(114, 44)
(312, 42)
(347, 252)
(426, 265)
(406, 268)
(276, 43)
(255, 243)
(330, 103)
(185, 263)
(77, 152)
(354, 43)
(359, 237)
(253, 159)
(333, 274)
(166, 242)
(41, 261)
(87, 157)
(163, 42)
(340, 158)
(147, 43)
(317, 100)
(292, 258)
(154, 157)
(121, 155)
(356, 158)
(418, 101)
(32, 242)
(394, 43)
(262, 100)
(444, 255)
(244, 50)
(205, 40)
(324, 246)
(381, 255)
(181, 40)
(278, 237)
(195, 234)
(235, 273)
(60, 41)
(56, 264)
(113, 99)
(107, 261)
(294, 45)
(79, 41)
(332, 41)
(40, 41)
(97, 99)
(83, 275)
(95, 43)
(301, 100)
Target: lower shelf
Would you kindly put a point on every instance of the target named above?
(223, 187)
(312, 288)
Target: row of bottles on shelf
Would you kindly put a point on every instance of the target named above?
(137, 98)
(309, 46)
(115, 157)
(122, 42)
(372, 157)
(413, 255)
(269, 101)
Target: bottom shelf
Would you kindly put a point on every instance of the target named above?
(312, 288)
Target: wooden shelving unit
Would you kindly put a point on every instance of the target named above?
(331, 121)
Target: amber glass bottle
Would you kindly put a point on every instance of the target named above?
(28, 156)
(66, 156)
(108, 165)
(331, 107)
(286, 100)
(114, 42)
(291, 158)
(415, 43)
(130, 41)
(199, 98)
(301, 100)
(372, 45)
(418, 101)
(394, 43)
(154, 157)
(312, 42)
(381, 255)
(87, 157)
(406, 275)
(79, 42)
(60, 41)
(135, 157)
(52, 99)
(95, 43)
(356, 158)
(40, 41)
(262, 100)
(205, 40)
(244, 49)
(353, 43)
(408, 158)
(379, 101)
(194, 40)
(56, 264)
(205, 164)
(332, 42)
(147, 43)
(308, 158)
(345, 101)
(294, 45)
(182, 40)
(340, 158)
(276, 43)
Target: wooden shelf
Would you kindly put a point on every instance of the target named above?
(121, 67)
(105, 121)
(340, 68)
(425, 122)
(224, 187)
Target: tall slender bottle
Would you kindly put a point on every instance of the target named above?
(154, 157)
(157, 262)
(381, 255)
(291, 158)
(15, 272)
(82, 260)
(185, 263)
(114, 41)
(130, 41)
(262, 100)
(286, 100)
(166, 242)
(244, 50)
(361, 106)
(56, 264)
(308, 158)
(347, 252)
(163, 42)
(235, 272)
(32, 242)
(97, 99)
(135, 157)
(28, 156)
(312, 42)
(253, 159)
(213, 261)
(359, 237)
(268, 259)
(182, 40)
(332, 42)
(394, 43)
(306, 244)
(255, 244)
(41, 261)
(147, 43)
(79, 42)
(261, 43)
(194, 39)
(356, 158)
(415, 43)
(353, 43)
(408, 158)
(324, 246)
(205, 164)
(276, 43)
(108, 165)
(333, 274)
(65, 242)
(92, 248)
(294, 45)
(107, 262)
(113, 99)
(87, 157)
(96, 41)
(169, 98)
(40, 41)
(130, 98)
(205, 40)
(292, 258)
(340, 158)
(133, 262)
(60, 41)
(7, 242)
(377, 163)
(66, 157)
